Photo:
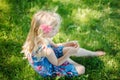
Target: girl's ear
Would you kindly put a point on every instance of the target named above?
(39, 32)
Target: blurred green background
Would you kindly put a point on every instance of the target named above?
(95, 24)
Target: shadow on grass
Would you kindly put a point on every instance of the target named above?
(11, 63)
(93, 66)
(91, 63)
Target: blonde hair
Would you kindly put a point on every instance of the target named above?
(41, 17)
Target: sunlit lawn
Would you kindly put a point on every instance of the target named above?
(94, 23)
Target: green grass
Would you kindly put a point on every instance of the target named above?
(94, 23)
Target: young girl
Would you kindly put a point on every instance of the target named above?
(46, 57)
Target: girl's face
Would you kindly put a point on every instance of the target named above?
(53, 32)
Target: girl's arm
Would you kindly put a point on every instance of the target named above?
(66, 44)
(70, 44)
(54, 60)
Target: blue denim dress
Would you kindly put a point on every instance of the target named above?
(46, 69)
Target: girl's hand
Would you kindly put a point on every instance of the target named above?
(72, 44)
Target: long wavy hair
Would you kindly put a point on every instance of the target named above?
(41, 17)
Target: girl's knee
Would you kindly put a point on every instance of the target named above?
(72, 49)
(81, 70)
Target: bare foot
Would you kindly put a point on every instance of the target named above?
(100, 53)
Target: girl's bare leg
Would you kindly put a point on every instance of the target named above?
(80, 68)
(80, 52)
(83, 52)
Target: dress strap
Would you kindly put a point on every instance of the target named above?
(36, 54)
(49, 46)
(39, 49)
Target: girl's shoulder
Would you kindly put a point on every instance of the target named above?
(37, 51)
(42, 50)
(49, 40)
